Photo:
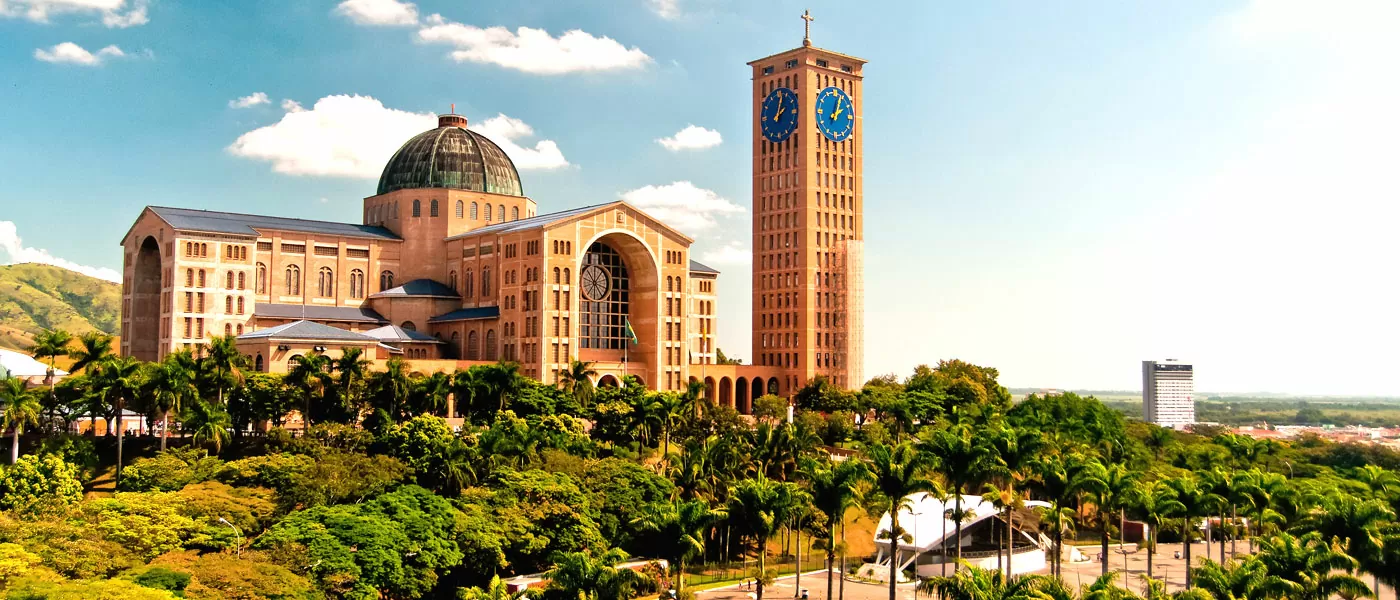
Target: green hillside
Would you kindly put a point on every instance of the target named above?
(35, 297)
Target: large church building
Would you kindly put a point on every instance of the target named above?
(452, 265)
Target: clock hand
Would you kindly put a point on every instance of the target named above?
(838, 110)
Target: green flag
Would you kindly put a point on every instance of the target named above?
(630, 334)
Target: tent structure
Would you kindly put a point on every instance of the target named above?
(16, 364)
(927, 539)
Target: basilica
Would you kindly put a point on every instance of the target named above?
(452, 265)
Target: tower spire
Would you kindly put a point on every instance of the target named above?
(807, 34)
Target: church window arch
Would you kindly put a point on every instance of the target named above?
(515, 213)
(473, 351)
(488, 212)
(417, 208)
(262, 279)
(408, 326)
(386, 280)
(242, 281)
(292, 281)
(228, 305)
(201, 278)
(556, 274)
(490, 344)
(325, 283)
(459, 209)
(567, 280)
(467, 284)
(228, 329)
(241, 305)
(452, 280)
(604, 305)
(228, 280)
(473, 213)
(258, 363)
(357, 284)
(189, 277)
(486, 281)
(433, 208)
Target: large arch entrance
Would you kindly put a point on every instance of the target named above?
(726, 392)
(608, 381)
(618, 302)
(144, 332)
(741, 396)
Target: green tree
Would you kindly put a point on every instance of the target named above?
(209, 423)
(438, 458)
(1154, 503)
(582, 576)
(94, 349)
(1110, 487)
(973, 583)
(1356, 526)
(835, 488)
(21, 408)
(962, 458)
(1307, 568)
(577, 379)
(1243, 580)
(351, 369)
(770, 408)
(310, 376)
(51, 344)
(171, 384)
(223, 365)
(118, 381)
(680, 528)
(758, 507)
(34, 483)
(1197, 502)
(896, 472)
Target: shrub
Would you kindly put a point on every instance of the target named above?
(170, 470)
(38, 484)
(161, 578)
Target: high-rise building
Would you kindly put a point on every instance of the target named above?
(808, 217)
(1168, 393)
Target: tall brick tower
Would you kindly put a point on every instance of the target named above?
(808, 196)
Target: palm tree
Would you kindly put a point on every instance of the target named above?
(1006, 500)
(1221, 483)
(1155, 503)
(209, 423)
(1354, 526)
(1307, 568)
(973, 583)
(118, 381)
(963, 458)
(309, 375)
(171, 384)
(680, 528)
(430, 393)
(351, 368)
(223, 365)
(581, 575)
(1109, 486)
(667, 410)
(1243, 580)
(1054, 478)
(51, 344)
(1196, 502)
(496, 590)
(758, 507)
(1013, 450)
(503, 379)
(896, 472)
(835, 488)
(21, 408)
(94, 348)
(464, 387)
(577, 379)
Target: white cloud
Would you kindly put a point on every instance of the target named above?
(691, 138)
(353, 136)
(13, 251)
(379, 12)
(505, 131)
(250, 100)
(111, 11)
(732, 253)
(666, 9)
(71, 53)
(532, 50)
(682, 205)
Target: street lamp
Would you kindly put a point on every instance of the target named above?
(237, 538)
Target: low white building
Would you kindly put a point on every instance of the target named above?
(18, 364)
(928, 539)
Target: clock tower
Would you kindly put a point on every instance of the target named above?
(808, 194)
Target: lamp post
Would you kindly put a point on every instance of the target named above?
(237, 538)
(917, 548)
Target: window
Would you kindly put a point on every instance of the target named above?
(240, 307)
(467, 282)
(408, 326)
(262, 278)
(293, 280)
(566, 276)
(486, 281)
(791, 64)
(357, 284)
(242, 281)
(417, 208)
(473, 353)
(488, 212)
(459, 209)
(452, 280)
(228, 280)
(325, 283)
(501, 213)
(822, 63)
(515, 213)
(201, 278)
(386, 280)
(228, 305)
(768, 70)
(605, 307)
(189, 277)
(433, 208)
(473, 214)
(556, 276)
(490, 344)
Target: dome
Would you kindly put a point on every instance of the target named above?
(453, 157)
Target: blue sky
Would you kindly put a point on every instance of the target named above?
(1059, 190)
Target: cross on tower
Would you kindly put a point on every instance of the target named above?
(807, 35)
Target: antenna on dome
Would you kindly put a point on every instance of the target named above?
(453, 110)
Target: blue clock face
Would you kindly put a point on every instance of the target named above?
(779, 115)
(835, 114)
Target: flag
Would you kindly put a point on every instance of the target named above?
(630, 334)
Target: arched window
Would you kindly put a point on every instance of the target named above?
(228, 283)
(452, 280)
(605, 299)
(242, 281)
(396, 209)
(490, 344)
(262, 278)
(488, 212)
(240, 305)
(567, 279)
(357, 284)
(189, 277)
(669, 284)
(433, 208)
(293, 280)
(515, 213)
(228, 329)
(325, 283)
(459, 209)
(501, 213)
(386, 280)
(228, 305)
(258, 363)
(240, 329)
(467, 283)
(473, 213)
(473, 353)
(201, 278)
(408, 326)
(486, 281)
(417, 208)
(556, 274)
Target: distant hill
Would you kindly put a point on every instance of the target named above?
(35, 297)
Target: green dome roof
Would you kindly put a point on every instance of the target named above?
(454, 157)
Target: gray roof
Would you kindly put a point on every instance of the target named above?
(697, 267)
(534, 222)
(394, 333)
(308, 331)
(349, 314)
(468, 314)
(189, 219)
(420, 287)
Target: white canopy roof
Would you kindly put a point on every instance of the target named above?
(17, 364)
(922, 519)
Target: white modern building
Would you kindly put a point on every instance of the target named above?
(18, 364)
(928, 539)
(1168, 393)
